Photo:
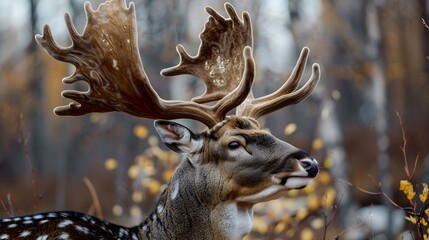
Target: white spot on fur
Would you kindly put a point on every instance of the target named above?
(82, 229)
(28, 222)
(17, 219)
(13, 225)
(43, 237)
(37, 217)
(64, 235)
(123, 232)
(175, 190)
(52, 215)
(64, 214)
(159, 209)
(85, 218)
(4, 236)
(25, 234)
(236, 221)
(64, 223)
(44, 221)
(6, 220)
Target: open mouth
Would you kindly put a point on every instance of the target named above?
(294, 182)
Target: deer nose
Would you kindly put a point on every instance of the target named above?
(311, 166)
(307, 162)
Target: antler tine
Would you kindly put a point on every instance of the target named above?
(287, 94)
(219, 62)
(47, 42)
(293, 81)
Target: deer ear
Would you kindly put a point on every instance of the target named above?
(177, 137)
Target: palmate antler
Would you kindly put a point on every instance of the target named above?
(106, 56)
(219, 61)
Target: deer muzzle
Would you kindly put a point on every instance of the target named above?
(311, 166)
(308, 168)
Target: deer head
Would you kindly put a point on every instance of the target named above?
(227, 168)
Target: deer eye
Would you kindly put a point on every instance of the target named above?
(233, 145)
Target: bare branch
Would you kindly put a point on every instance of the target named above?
(95, 200)
(24, 142)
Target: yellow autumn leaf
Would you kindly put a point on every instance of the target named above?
(247, 237)
(411, 195)
(293, 193)
(271, 214)
(407, 188)
(328, 163)
(166, 175)
(313, 202)
(301, 214)
(286, 219)
(317, 223)
(317, 144)
(290, 128)
(135, 211)
(423, 221)
(329, 199)
(260, 225)
(280, 227)
(427, 214)
(424, 195)
(153, 141)
(307, 233)
(141, 131)
(324, 177)
(117, 210)
(111, 164)
(290, 233)
(310, 188)
(133, 171)
(154, 186)
(411, 219)
(137, 196)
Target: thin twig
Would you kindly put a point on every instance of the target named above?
(24, 141)
(379, 193)
(5, 208)
(354, 226)
(95, 200)
(404, 152)
(328, 222)
(404, 147)
(9, 201)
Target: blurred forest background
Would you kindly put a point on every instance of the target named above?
(373, 57)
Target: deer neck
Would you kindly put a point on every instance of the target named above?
(187, 210)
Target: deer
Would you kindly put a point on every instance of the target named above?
(225, 169)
